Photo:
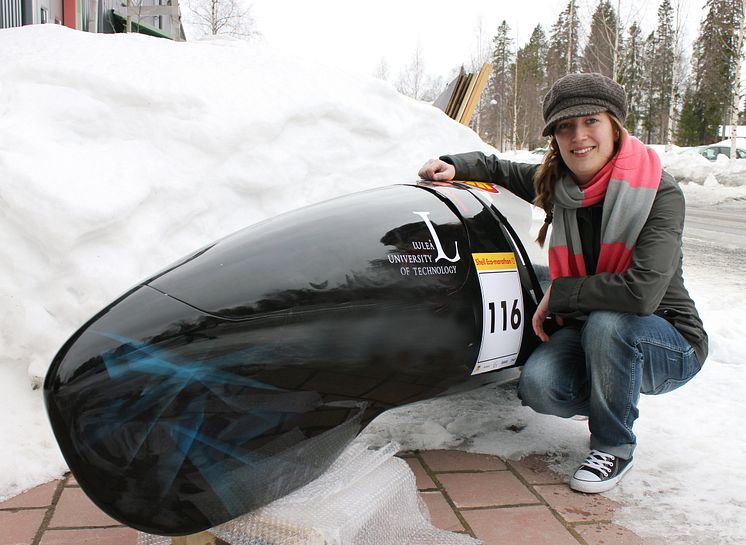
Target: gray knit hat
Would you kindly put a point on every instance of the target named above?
(576, 95)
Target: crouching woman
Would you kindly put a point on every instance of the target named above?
(628, 323)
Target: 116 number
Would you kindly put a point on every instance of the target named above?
(515, 315)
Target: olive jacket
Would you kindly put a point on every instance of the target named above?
(653, 283)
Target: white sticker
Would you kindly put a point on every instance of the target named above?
(502, 311)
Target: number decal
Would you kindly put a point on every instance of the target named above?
(515, 315)
(502, 321)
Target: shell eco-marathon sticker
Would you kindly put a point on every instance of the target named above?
(419, 264)
(485, 186)
(502, 310)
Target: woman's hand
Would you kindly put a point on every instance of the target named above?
(542, 311)
(437, 170)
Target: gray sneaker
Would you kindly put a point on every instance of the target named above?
(600, 472)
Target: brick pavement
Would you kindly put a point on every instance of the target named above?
(500, 502)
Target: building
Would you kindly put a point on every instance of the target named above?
(160, 18)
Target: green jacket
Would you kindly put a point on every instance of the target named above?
(653, 283)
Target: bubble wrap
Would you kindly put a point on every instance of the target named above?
(367, 497)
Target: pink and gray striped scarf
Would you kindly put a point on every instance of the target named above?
(627, 185)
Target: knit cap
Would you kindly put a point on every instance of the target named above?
(576, 95)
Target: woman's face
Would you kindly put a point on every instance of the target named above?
(586, 144)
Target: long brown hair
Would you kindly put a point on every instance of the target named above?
(551, 169)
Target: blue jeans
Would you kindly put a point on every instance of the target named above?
(599, 370)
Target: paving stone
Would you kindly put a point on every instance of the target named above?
(525, 525)
(20, 527)
(71, 480)
(485, 489)
(534, 469)
(441, 514)
(75, 510)
(608, 534)
(41, 496)
(456, 460)
(423, 479)
(576, 507)
(92, 536)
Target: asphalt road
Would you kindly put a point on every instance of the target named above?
(726, 228)
(715, 245)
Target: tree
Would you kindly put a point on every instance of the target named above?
(715, 57)
(690, 130)
(675, 75)
(632, 79)
(600, 53)
(414, 81)
(530, 88)
(499, 87)
(230, 17)
(563, 54)
(382, 70)
(479, 56)
(736, 95)
(659, 60)
(648, 103)
(663, 63)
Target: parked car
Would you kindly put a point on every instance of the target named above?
(711, 152)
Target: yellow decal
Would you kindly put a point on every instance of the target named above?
(495, 261)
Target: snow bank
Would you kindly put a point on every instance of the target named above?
(121, 153)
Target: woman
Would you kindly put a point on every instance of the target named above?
(628, 323)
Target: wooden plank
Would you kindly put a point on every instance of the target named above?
(467, 95)
(458, 96)
(481, 83)
(459, 82)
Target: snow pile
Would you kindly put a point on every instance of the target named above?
(121, 153)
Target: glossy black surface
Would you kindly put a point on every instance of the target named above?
(239, 374)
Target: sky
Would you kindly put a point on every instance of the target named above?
(222, 134)
(359, 35)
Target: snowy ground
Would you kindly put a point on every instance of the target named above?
(119, 154)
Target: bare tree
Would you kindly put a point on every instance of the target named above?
(382, 70)
(415, 82)
(230, 17)
(676, 77)
(479, 56)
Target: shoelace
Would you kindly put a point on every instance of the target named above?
(600, 461)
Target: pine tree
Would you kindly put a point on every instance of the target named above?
(631, 78)
(500, 86)
(530, 90)
(658, 67)
(691, 130)
(662, 75)
(714, 62)
(563, 57)
(600, 53)
(648, 104)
